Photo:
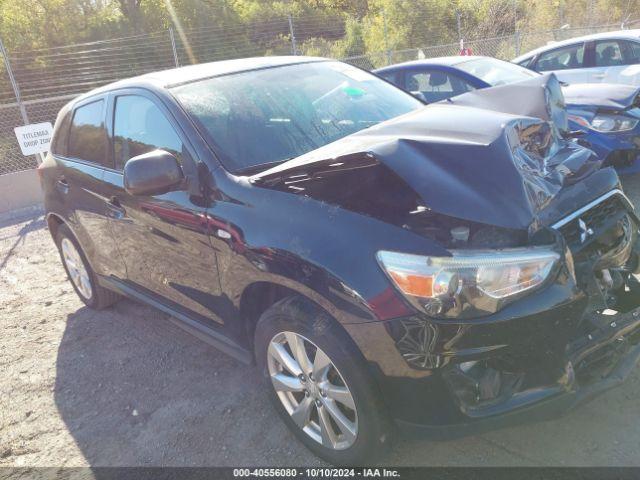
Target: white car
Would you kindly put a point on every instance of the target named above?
(612, 57)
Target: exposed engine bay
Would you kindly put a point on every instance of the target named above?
(604, 244)
(603, 259)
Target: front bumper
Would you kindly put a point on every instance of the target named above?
(549, 359)
(533, 359)
(619, 150)
(531, 362)
(614, 351)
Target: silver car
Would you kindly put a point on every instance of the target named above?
(612, 57)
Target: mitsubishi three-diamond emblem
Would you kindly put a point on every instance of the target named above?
(585, 231)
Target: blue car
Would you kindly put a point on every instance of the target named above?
(608, 114)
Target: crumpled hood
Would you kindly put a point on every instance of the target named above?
(477, 165)
(540, 97)
(606, 96)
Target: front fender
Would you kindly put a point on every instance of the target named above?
(325, 252)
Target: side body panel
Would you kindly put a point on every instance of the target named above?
(164, 238)
(628, 74)
(74, 191)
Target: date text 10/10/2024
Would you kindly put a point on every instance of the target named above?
(316, 473)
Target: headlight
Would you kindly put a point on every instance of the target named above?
(470, 283)
(607, 122)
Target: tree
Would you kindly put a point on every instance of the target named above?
(131, 11)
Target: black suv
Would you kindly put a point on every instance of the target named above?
(384, 263)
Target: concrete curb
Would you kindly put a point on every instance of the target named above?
(19, 190)
(19, 214)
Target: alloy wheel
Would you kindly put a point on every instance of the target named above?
(312, 390)
(76, 268)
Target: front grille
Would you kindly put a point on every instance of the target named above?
(594, 219)
(588, 228)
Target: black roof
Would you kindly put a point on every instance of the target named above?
(177, 76)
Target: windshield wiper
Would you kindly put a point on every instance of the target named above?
(261, 167)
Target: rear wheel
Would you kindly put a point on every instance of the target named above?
(80, 273)
(320, 385)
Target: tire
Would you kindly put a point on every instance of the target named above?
(90, 292)
(302, 319)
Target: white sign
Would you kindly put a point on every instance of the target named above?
(34, 138)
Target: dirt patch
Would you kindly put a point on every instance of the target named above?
(126, 387)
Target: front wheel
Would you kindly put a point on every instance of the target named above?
(320, 385)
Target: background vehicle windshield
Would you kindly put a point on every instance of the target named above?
(496, 72)
(269, 116)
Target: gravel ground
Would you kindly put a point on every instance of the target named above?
(125, 387)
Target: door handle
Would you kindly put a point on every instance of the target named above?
(62, 185)
(598, 75)
(116, 210)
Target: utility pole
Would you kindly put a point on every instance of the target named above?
(590, 11)
(14, 84)
(173, 47)
(294, 48)
(16, 93)
(516, 33)
(458, 24)
(386, 39)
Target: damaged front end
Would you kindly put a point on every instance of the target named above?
(578, 335)
(538, 297)
(575, 338)
(564, 344)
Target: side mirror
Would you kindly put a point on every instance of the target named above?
(152, 173)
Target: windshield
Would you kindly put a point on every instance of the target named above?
(259, 118)
(496, 72)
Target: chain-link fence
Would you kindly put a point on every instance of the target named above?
(45, 110)
(43, 80)
(504, 47)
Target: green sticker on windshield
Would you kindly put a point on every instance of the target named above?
(354, 91)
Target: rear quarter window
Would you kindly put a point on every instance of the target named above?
(60, 135)
(525, 63)
(87, 136)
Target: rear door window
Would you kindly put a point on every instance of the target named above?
(87, 135)
(609, 54)
(564, 58)
(139, 127)
(435, 85)
(630, 52)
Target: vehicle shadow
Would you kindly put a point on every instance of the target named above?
(33, 225)
(135, 390)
